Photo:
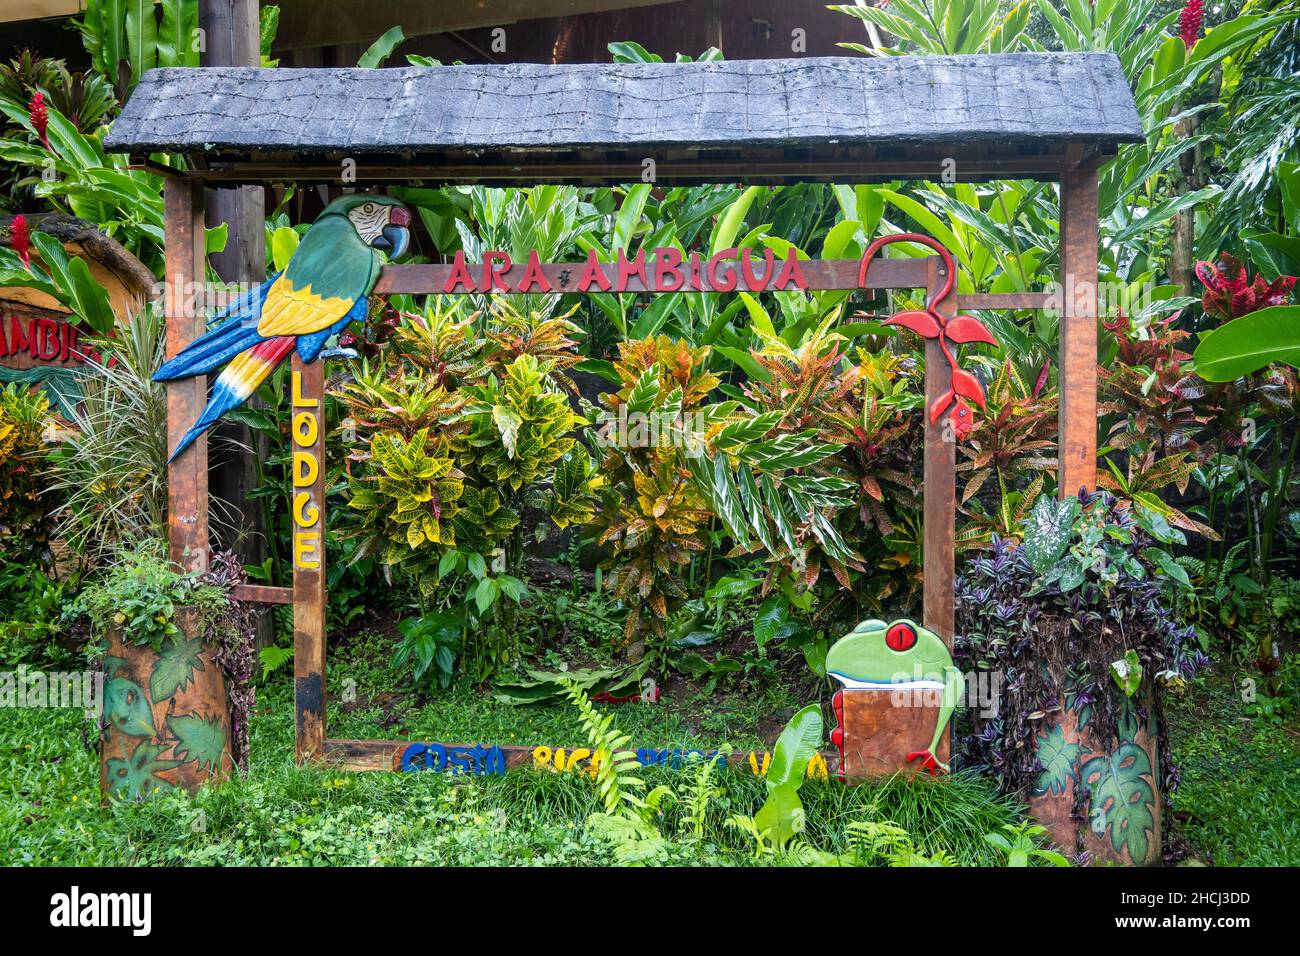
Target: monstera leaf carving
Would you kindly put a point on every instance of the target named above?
(1127, 722)
(136, 777)
(175, 667)
(1059, 759)
(1122, 791)
(127, 708)
(199, 738)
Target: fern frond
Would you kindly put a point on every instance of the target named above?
(615, 766)
(702, 792)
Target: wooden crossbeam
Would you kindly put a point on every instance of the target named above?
(261, 594)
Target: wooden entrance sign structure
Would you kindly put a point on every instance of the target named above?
(1047, 117)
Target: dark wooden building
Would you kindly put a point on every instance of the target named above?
(561, 31)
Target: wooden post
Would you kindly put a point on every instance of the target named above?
(1077, 424)
(233, 39)
(233, 35)
(940, 489)
(713, 24)
(307, 434)
(187, 475)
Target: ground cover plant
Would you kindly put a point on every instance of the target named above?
(283, 815)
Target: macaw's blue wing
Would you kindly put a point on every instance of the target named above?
(236, 382)
(234, 332)
(251, 367)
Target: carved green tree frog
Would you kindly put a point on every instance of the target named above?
(879, 656)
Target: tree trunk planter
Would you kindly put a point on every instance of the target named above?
(166, 716)
(1118, 820)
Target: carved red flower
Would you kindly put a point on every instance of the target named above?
(20, 239)
(930, 324)
(1229, 293)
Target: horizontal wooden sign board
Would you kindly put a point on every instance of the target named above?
(696, 274)
(492, 759)
(31, 336)
(659, 271)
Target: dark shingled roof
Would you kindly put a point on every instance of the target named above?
(1019, 98)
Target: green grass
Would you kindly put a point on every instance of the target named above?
(735, 715)
(1238, 803)
(282, 815)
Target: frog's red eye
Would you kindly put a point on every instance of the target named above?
(900, 637)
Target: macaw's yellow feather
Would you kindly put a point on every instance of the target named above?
(291, 311)
(246, 371)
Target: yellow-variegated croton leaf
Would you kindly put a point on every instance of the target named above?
(521, 426)
(481, 522)
(409, 494)
(573, 490)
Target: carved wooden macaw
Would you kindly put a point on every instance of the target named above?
(325, 286)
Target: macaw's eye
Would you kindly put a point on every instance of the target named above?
(900, 637)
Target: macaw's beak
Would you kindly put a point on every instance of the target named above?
(396, 236)
(393, 241)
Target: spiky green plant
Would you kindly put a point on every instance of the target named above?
(628, 820)
(113, 467)
(617, 780)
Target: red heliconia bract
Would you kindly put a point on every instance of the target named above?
(1189, 22)
(962, 419)
(40, 117)
(20, 239)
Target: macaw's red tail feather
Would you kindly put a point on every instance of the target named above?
(237, 382)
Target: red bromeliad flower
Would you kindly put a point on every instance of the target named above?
(1189, 22)
(20, 239)
(928, 323)
(40, 117)
(1229, 293)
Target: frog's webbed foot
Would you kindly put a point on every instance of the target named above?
(928, 762)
